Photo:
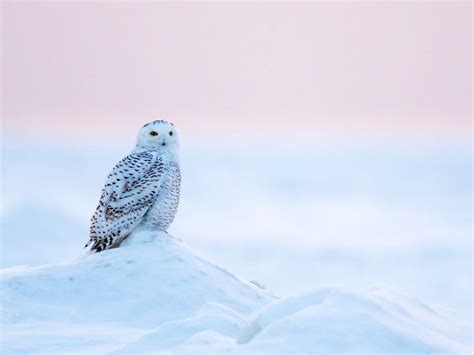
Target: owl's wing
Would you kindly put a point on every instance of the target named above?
(130, 190)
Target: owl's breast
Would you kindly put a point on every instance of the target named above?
(163, 211)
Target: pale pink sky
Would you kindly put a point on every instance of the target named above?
(370, 68)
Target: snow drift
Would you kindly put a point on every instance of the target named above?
(338, 320)
(155, 294)
(328, 321)
(143, 284)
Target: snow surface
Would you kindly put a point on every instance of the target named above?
(352, 214)
(155, 294)
(348, 215)
(155, 280)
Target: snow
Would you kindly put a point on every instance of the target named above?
(318, 236)
(155, 294)
(48, 227)
(340, 320)
(153, 280)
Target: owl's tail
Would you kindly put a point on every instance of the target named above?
(86, 251)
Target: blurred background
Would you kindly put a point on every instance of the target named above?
(321, 143)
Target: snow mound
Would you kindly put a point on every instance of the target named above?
(213, 318)
(340, 320)
(327, 321)
(153, 279)
(156, 295)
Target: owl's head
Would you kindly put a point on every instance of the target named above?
(158, 134)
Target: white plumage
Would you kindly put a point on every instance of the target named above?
(142, 189)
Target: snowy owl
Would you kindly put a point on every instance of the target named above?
(141, 190)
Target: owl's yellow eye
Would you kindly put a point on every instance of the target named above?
(153, 133)
(170, 133)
